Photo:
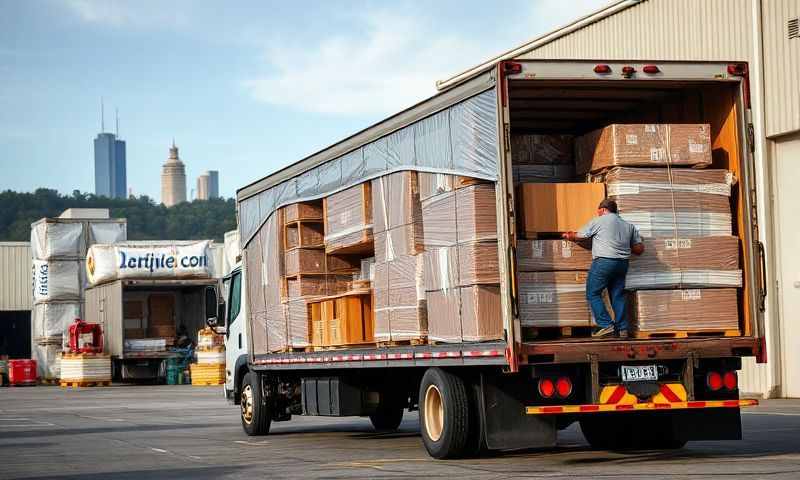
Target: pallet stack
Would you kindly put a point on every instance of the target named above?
(85, 370)
(686, 282)
(210, 366)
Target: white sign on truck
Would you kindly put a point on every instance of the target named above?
(146, 260)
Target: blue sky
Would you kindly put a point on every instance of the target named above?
(244, 87)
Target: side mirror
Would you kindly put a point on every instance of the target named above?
(211, 306)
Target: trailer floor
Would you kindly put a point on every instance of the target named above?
(133, 432)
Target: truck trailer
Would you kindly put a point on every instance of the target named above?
(514, 391)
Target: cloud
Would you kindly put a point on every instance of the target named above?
(118, 13)
(391, 63)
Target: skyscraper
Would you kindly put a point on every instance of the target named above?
(173, 179)
(110, 170)
(208, 185)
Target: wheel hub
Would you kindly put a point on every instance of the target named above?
(247, 404)
(434, 413)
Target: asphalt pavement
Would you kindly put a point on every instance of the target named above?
(165, 432)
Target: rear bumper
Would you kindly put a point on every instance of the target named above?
(597, 408)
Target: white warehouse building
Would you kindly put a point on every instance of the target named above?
(765, 34)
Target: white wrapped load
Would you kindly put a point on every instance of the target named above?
(210, 357)
(48, 361)
(56, 280)
(231, 250)
(85, 368)
(54, 239)
(53, 319)
(107, 232)
(145, 260)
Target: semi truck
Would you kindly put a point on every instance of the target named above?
(515, 392)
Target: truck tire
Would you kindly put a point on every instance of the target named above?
(387, 418)
(255, 414)
(444, 415)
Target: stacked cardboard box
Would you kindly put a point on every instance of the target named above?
(400, 312)
(85, 368)
(694, 310)
(557, 207)
(553, 299)
(348, 221)
(461, 269)
(542, 158)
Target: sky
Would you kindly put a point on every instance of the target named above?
(243, 87)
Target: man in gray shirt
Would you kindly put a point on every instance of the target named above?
(613, 241)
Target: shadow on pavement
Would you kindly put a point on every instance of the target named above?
(163, 474)
(89, 431)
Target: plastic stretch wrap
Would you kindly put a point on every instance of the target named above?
(657, 202)
(683, 279)
(302, 211)
(400, 312)
(645, 145)
(48, 361)
(478, 263)
(698, 253)
(85, 368)
(688, 310)
(150, 259)
(107, 232)
(543, 173)
(527, 149)
(277, 327)
(57, 280)
(348, 218)
(431, 184)
(459, 140)
(304, 260)
(444, 316)
(395, 200)
(553, 299)
(307, 285)
(210, 357)
(552, 255)
(256, 271)
(476, 212)
(481, 319)
(51, 238)
(626, 181)
(680, 223)
(403, 240)
(298, 319)
(439, 220)
(441, 267)
(53, 319)
(230, 251)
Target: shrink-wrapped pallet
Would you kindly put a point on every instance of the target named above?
(481, 319)
(403, 240)
(48, 360)
(276, 320)
(535, 149)
(432, 184)
(304, 261)
(444, 315)
(297, 320)
(107, 232)
(440, 268)
(478, 263)
(476, 213)
(439, 220)
(348, 220)
(52, 238)
(543, 173)
(395, 200)
(644, 145)
(52, 319)
(690, 253)
(685, 278)
(693, 310)
(552, 255)
(214, 356)
(85, 368)
(57, 280)
(400, 312)
(553, 299)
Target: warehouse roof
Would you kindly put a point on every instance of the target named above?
(607, 11)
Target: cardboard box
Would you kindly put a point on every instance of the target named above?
(302, 211)
(694, 310)
(644, 145)
(558, 207)
(395, 200)
(478, 263)
(432, 184)
(348, 220)
(476, 211)
(439, 220)
(440, 269)
(304, 260)
(403, 240)
(481, 319)
(690, 253)
(552, 255)
(534, 149)
(553, 299)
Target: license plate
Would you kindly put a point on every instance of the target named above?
(639, 373)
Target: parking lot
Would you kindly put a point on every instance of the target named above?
(133, 432)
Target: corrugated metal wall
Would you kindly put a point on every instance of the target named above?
(15, 276)
(662, 30)
(781, 67)
(103, 303)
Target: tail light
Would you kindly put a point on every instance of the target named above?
(510, 68)
(564, 387)
(713, 381)
(546, 388)
(730, 380)
(602, 68)
(628, 71)
(650, 69)
(737, 69)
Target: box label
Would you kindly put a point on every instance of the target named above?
(534, 298)
(697, 147)
(658, 154)
(631, 139)
(677, 243)
(650, 128)
(689, 295)
(537, 248)
(566, 249)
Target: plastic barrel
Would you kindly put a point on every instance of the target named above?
(172, 371)
(22, 372)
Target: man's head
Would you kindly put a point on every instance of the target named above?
(607, 206)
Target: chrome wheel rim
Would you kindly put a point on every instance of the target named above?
(434, 413)
(247, 404)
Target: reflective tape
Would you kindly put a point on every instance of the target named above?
(592, 408)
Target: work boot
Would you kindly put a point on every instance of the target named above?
(604, 332)
(622, 334)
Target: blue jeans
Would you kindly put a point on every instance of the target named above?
(608, 273)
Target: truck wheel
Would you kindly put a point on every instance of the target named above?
(387, 418)
(443, 414)
(256, 416)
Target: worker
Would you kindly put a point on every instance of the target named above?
(613, 241)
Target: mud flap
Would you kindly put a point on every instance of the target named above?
(708, 424)
(506, 424)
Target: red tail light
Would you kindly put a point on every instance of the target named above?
(602, 69)
(714, 381)
(650, 69)
(730, 380)
(564, 387)
(511, 68)
(628, 71)
(737, 69)
(546, 388)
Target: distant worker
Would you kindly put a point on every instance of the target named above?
(613, 240)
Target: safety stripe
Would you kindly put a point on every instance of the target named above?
(617, 395)
(669, 394)
(559, 409)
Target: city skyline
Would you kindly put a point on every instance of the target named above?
(110, 164)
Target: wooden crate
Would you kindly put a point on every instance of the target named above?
(343, 320)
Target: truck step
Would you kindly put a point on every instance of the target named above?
(687, 334)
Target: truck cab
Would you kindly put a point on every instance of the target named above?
(232, 312)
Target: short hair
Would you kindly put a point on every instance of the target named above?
(609, 205)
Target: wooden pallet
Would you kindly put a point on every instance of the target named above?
(207, 383)
(49, 381)
(687, 334)
(403, 343)
(551, 333)
(106, 383)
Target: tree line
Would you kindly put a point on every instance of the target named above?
(147, 220)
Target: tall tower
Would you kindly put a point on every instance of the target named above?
(208, 185)
(173, 179)
(110, 179)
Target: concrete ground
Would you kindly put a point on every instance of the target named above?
(135, 432)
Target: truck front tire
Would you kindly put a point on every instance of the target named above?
(444, 414)
(255, 413)
(387, 418)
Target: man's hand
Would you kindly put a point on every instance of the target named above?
(571, 236)
(637, 249)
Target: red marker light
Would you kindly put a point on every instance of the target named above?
(511, 68)
(737, 69)
(650, 69)
(602, 68)
(714, 381)
(628, 71)
(546, 388)
(564, 387)
(730, 381)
